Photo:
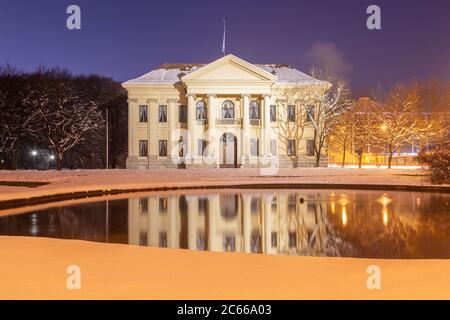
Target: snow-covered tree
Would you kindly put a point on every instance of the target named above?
(330, 100)
(397, 120)
(66, 112)
(15, 118)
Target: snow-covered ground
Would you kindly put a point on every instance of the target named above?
(35, 268)
(93, 180)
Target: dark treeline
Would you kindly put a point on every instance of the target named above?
(53, 119)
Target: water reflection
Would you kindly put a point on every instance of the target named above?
(307, 222)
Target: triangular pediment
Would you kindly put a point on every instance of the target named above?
(229, 68)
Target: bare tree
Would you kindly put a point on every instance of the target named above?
(15, 118)
(396, 119)
(341, 137)
(330, 99)
(363, 126)
(65, 113)
(291, 117)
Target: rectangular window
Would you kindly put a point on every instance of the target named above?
(163, 239)
(201, 147)
(143, 238)
(292, 240)
(274, 239)
(291, 114)
(229, 243)
(143, 113)
(310, 147)
(163, 203)
(254, 147)
(162, 114)
(182, 114)
(273, 113)
(202, 205)
(181, 146)
(143, 148)
(273, 147)
(310, 111)
(255, 242)
(291, 148)
(143, 205)
(163, 148)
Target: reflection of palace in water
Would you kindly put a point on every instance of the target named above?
(273, 223)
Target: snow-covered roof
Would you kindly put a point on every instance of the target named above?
(171, 73)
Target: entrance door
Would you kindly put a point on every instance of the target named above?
(228, 151)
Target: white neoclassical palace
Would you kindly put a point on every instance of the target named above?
(228, 113)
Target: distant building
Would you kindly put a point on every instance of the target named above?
(223, 114)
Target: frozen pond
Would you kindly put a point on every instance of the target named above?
(348, 223)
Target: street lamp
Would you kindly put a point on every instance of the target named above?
(383, 127)
(34, 154)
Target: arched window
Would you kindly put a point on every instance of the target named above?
(254, 110)
(228, 110)
(200, 111)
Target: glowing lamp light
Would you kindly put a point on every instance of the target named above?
(385, 218)
(383, 127)
(52, 157)
(34, 153)
(344, 216)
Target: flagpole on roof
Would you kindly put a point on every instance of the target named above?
(224, 36)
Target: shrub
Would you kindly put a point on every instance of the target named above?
(438, 161)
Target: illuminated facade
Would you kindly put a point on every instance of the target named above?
(223, 114)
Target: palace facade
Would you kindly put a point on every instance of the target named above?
(229, 113)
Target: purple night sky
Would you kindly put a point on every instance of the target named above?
(124, 39)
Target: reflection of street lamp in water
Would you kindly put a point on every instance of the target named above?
(344, 216)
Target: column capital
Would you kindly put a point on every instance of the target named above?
(132, 100)
(173, 100)
(246, 95)
(267, 95)
(152, 100)
(211, 95)
(191, 95)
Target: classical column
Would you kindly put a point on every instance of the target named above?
(173, 232)
(246, 223)
(266, 127)
(192, 203)
(245, 144)
(267, 234)
(192, 140)
(212, 139)
(213, 216)
(152, 127)
(173, 132)
(132, 120)
(153, 221)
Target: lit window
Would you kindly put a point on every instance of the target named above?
(273, 113)
(254, 110)
(291, 114)
(310, 147)
(182, 114)
(143, 114)
(310, 111)
(228, 110)
(291, 148)
(163, 148)
(162, 114)
(200, 111)
(143, 148)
